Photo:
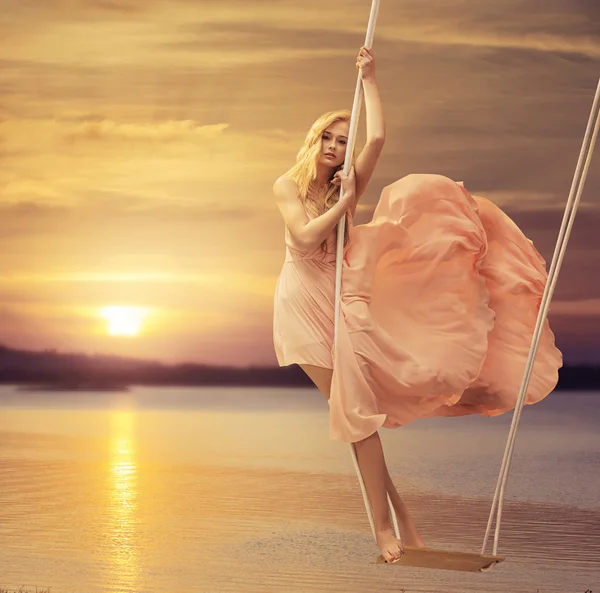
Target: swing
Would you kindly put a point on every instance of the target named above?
(442, 559)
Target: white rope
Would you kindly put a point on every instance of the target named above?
(341, 227)
(581, 170)
(354, 117)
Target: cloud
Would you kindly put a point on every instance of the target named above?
(520, 199)
(581, 308)
(155, 165)
(186, 130)
(556, 26)
(559, 28)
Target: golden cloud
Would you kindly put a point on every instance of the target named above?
(183, 130)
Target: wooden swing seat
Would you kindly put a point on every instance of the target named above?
(445, 560)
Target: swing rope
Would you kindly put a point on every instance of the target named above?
(585, 157)
(341, 227)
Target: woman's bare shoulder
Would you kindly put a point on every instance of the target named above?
(285, 186)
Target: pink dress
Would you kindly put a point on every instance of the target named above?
(440, 296)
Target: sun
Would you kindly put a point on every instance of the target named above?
(124, 320)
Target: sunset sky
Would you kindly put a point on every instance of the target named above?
(139, 141)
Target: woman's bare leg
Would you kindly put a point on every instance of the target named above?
(408, 530)
(369, 453)
(320, 376)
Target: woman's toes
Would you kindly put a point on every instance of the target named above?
(390, 547)
(394, 554)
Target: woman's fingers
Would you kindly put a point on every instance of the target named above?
(362, 59)
(365, 62)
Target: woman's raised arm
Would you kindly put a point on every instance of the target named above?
(366, 161)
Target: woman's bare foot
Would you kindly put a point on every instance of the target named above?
(390, 547)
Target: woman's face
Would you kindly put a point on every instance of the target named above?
(333, 144)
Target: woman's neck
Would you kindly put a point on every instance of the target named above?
(323, 176)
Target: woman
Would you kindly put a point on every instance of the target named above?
(440, 295)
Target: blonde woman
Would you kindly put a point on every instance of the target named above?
(440, 294)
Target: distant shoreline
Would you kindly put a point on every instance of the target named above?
(71, 387)
(53, 371)
(53, 388)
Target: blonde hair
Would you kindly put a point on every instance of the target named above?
(304, 172)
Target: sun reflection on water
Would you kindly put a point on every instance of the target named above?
(123, 502)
